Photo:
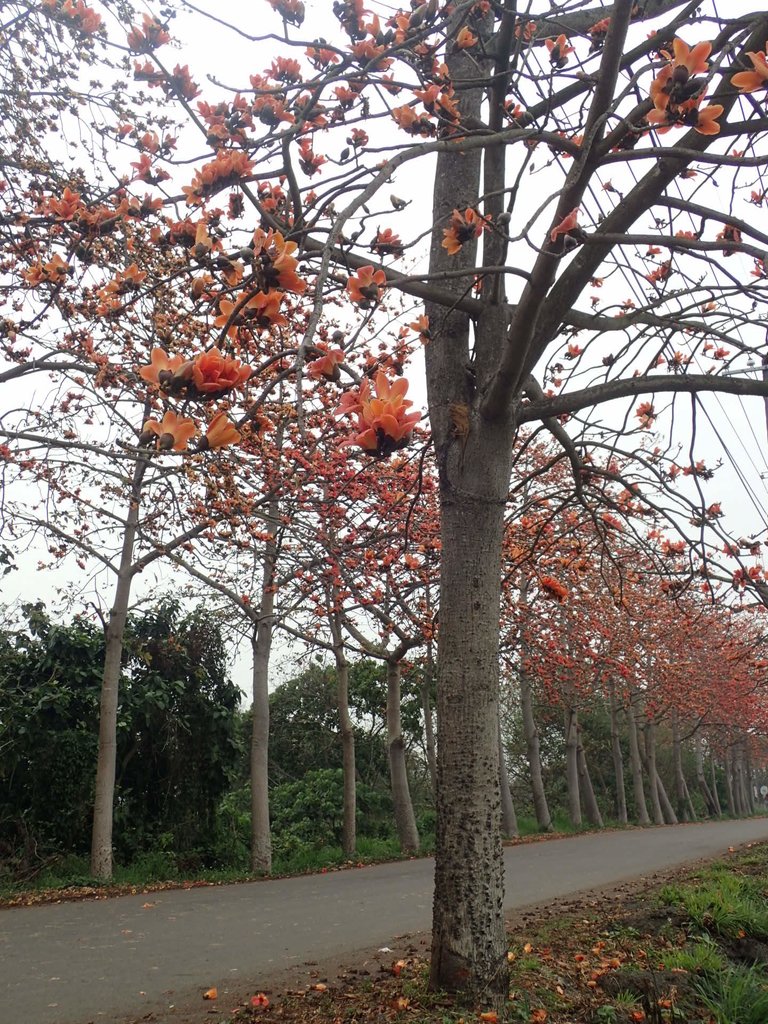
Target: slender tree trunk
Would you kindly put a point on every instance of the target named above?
(715, 794)
(261, 839)
(729, 794)
(748, 780)
(101, 835)
(429, 723)
(405, 820)
(531, 732)
(586, 789)
(649, 733)
(509, 827)
(618, 759)
(572, 766)
(677, 761)
(638, 790)
(701, 781)
(670, 815)
(349, 826)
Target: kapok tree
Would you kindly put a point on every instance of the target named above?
(564, 146)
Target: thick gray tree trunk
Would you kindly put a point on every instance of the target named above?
(572, 766)
(586, 789)
(405, 819)
(636, 767)
(509, 827)
(104, 795)
(618, 759)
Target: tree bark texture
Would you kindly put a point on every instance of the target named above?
(349, 822)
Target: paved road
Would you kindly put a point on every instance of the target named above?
(103, 960)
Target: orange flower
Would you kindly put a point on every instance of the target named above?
(327, 365)
(569, 223)
(161, 368)
(173, 432)
(259, 1001)
(646, 414)
(463, 227)
(421, 327)
(553, 589)
(220, 431)
(693, 60)
(383, 421)
(213, 372)
(466, 39)
(751, 81)
(558, 50)
(365, 289)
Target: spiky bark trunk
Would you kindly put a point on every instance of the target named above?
(729, 787)
(649, 735)
(101, 835)
(405, 820)
(715, 794)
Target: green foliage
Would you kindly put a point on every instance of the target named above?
(177, 735)
(697, 958)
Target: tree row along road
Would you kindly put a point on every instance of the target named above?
(70, 963)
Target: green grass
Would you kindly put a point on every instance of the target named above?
(700, 957)
(722, 903)
(736, 996)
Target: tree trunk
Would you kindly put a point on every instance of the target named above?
(572, 766)
(101, 835)
(429, 723)
(715, 794)
(729, 794)
(261, 839)
(349, 826)
(748, 780)
(638, 790)
(701, 781)
(509, 827)
(469, 945)
(670, 816)
(591, 807)
(405, 820)
(649, 735)
(618, 760)
(531, 732)
(677, 761)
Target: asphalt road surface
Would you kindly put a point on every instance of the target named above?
(106, 960)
